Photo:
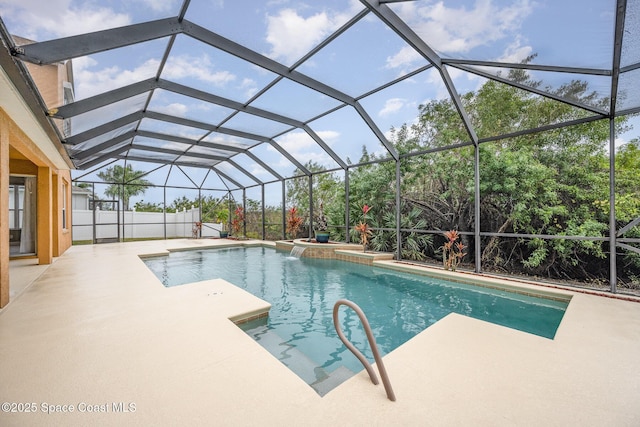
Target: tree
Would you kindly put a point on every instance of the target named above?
(125, 183)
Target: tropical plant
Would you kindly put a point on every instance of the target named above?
(124, 183)
(363, 227)
(294, 222)
(452, 250)
(238, 221)
(414, 243)
(321, 220)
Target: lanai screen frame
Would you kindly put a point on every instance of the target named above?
(68, 48)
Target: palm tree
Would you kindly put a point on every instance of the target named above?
(125, 183)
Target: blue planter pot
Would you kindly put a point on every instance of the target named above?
(322, 236)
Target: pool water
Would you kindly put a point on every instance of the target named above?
(302, 291)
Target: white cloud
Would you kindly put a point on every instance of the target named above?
(303, 148)
(161, 5)
(89, 82)
(201, 68)
(249, 86)
(175, 109)
(292, 35)
(404, 58)
(391, 106)
(461, 29)
(515, 52)
(297, 142)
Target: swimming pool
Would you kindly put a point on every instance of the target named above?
(302, 291)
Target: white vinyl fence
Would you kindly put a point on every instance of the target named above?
(139, 225)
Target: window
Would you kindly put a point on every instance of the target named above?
(65, 188)
(67, 93)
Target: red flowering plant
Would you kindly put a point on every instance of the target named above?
(238, 221)
(363, 228)
(294, 222)
(452, 251)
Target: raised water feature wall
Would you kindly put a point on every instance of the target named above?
(332, 250)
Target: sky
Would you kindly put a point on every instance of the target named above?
(360, 60)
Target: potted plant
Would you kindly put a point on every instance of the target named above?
(322, 231)
(223, 218)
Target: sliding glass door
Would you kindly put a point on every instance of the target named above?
(22, 215)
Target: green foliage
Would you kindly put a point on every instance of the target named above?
(384, 237)
(125, 183)
(143, 206)
(553, 182)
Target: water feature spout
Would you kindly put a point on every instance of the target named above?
(297, 251)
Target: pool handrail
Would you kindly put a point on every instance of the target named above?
(372, 343)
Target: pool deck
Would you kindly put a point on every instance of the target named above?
(97, 330)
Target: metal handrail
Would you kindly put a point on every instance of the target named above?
(372, 344)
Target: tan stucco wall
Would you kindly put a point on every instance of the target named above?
(20, 155)
(62, 238)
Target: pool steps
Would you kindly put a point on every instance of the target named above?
(299, 363)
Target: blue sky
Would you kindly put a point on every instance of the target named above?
(360, 60)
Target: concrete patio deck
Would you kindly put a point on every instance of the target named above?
(97, 332)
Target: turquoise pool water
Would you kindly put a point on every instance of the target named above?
(299, 330)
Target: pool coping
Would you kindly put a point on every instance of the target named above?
(343, 252)
(385, 260)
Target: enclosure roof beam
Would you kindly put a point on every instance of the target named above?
(104, 156)
(227, 177)
(83, 154)
(105, 128)
(131, 118)
(393, 21)
(264, 165)
(457, 102)
(218, 100)
(242, 52)
(528, 66)
(531, 89)
(289, 157)
(103, 99)
(188, 153)
(65, 48)
(167, 137)
(244, 171)
(324, 146)
(376, 130)
(621, 8)
(172, 151)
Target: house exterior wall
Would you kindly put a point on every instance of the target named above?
(25, 158)
(21, 156)
(27, 148)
